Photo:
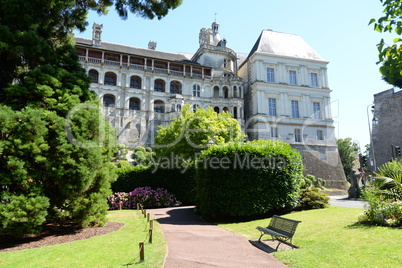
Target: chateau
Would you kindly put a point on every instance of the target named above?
(278, 91)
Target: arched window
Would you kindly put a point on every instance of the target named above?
(235, 92)
(196, 91)
(225, 109)
(94, 76)
(225, 92)
(159, 106)
(195, 106)
(235, 112)
(175, 87)
(216, 109)
(173, 108)
(178, 108)
(110, 79)
(135, 82)
(134, 104)
(216, 92)
(159, 85)
(109, 100)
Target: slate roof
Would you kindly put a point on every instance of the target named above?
(148, 53)
(284, 44)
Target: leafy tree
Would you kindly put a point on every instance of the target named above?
(390, 56)
(55, 146)
(347, 152)
(143, 156)
(192, 132)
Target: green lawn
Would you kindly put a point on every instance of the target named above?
(330, 238)
(116, 249)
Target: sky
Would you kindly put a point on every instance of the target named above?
(337, 30)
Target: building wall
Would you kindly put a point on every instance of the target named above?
(267, 78)
(387, 132)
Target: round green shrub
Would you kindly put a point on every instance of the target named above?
(312, 198)
(246, 180)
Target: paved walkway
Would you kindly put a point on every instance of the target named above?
(344, 201)
(193, 242)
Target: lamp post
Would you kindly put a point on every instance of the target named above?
(375, 122)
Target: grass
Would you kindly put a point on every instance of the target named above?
(330, 238)
(116, 249)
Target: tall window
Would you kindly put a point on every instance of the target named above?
(225, 92)
(314, 80)
(175, 87)
(94, 75)
(270, 75)
(292, 77)
(159, 85)
(135, 82)
(317, 110)
(159, 106)
(195, 107)
(110, 79)
(134, 104)
(274, 132)
(196, 91)
(216, 92)
(108, 100)
(320, 135)
(295, 109)
(298, 135)
(272, 107)
(234, 112)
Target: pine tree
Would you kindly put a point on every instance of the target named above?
(55, 146)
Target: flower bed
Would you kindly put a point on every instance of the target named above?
(146, 196)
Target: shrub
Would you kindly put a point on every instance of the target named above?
(20, 214)
(310, 180)
(312, 198)
(145, 196)
(246, 180)
(391, 169)
(176, 180)
(381, 210)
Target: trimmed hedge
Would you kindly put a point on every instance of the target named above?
(177, 181)
(247, 180)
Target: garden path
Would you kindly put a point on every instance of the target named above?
(193, 242)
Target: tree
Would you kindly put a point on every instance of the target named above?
(347, 152)
(192, 132)
(55, 146)
(390, 56)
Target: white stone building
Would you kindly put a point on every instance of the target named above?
(279, 91)
(288, 98)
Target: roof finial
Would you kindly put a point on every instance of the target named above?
(215, 16)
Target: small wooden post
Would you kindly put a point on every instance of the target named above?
(147, 217)
(145, 213)
(151, 224)
(150, 235)
(138, 206)
(142, 251)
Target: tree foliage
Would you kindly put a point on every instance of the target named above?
(195, 131)
(55, 146)
(347, 152)
(390, 56)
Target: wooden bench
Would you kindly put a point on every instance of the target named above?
(281, 229)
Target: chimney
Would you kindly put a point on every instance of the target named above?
(96, 34)
(152, 45)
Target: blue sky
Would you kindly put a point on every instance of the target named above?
(336, 29)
